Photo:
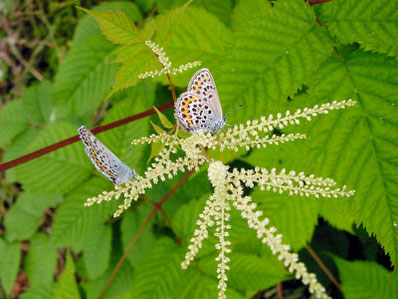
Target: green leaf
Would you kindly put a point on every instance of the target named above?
(74, 223)
(360, 279)
(166, 24)
(157, 129)
(10, 256)
(19, 147)
(131, 224)
(163, 119)
(37, 103)
(149, 279)
(85, 76)
(249, 272)
(41, 261)
(97, 250)
(283, 209)
(136, 59)
(372, 24)
(23, 217)
(118, 140)
(121, 284)
(246, 9)
(58, 171)
(88, 27)
(357, 147)
(13, 120)
(184, 220)
(183, 45)
(42, 292)
(116, 26)
(67, 287)
(270, 58)
(221, 9)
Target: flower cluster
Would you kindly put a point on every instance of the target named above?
(228, 185)
(165, 62)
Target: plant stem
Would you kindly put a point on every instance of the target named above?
(65, 142)
(157, 206)
(318, 2)
(323, 266)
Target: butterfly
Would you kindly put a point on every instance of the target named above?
(103, 159)
(199, 108)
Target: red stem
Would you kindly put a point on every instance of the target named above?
(318, 2)
(73, 139)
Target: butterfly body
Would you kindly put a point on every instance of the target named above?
(199, 108)
(103, 159)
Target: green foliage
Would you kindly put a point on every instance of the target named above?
(270, 56)
(67, 285)
(10, 256)
(97, 249)
(372, 24)
(58, 171)
(23, 218)
(41, 261)
(362, 279)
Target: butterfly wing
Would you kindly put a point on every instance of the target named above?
(203, 85)
(103, 159)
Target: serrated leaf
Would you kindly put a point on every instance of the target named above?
(270, 58)
(85, 75)
(58, 171)
(73, 222)
(166, 24)
(357, 147)
(116, 26)
(131, 224)
(360, 279)
(10, 256)
(372, 24)
(87, 26)
(13, 120)
(67, 286)
(135, 62)
(97, 249)
(163, 119)
(41, 261)
(23, 217)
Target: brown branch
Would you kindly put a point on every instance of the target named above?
(173, 92)
(323, 266)
(279, 288)
(73, 139)
(156, 207)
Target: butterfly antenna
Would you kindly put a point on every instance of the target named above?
(240, 106)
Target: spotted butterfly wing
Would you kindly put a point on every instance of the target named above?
(199, 109)
(192, 113)
(202, 84)
(103, 159)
